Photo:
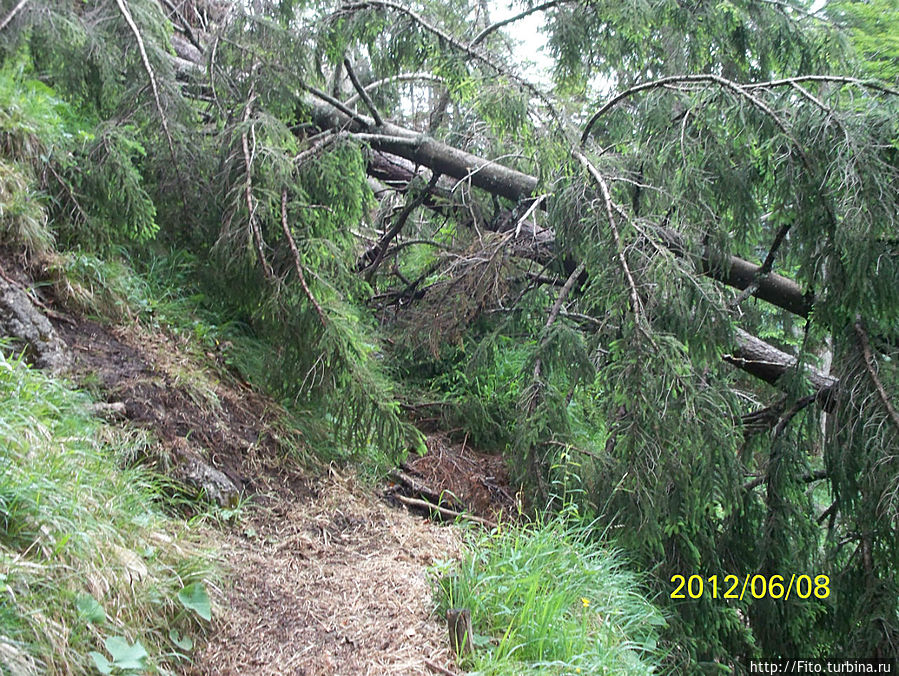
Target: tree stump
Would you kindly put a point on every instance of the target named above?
(458, 622)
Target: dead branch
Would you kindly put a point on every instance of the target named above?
(184, 25)
(436, 668)
(426, 492)
(766, 266)
(538, 367)
(449, 513)
(576, 449)
(327, 98)
(366, 99)
(12, 13)
(458, 622)
(388, 237)
(817, 475)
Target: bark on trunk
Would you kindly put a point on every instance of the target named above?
(515, 185)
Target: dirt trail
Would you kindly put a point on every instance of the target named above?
(323, 576)
(328, 579)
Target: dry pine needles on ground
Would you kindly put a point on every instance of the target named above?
(327, 579)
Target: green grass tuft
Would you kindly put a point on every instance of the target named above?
(87, 561)
(545, 598)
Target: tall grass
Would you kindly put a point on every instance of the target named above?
(546, 598)
(87, 561)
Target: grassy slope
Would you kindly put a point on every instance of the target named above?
(87, 560)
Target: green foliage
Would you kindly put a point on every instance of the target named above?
(621, 400)
(86, 557)
(632, 42)
(90, 171)
(120, 210)
(126, 657)
(482, 389)
(32, 123)
(326, 347)
(547, 598)
(23, 220)
(872, 30)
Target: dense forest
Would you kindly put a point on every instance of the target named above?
(659, 276)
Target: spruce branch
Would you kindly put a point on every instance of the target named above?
(636, 304)
(255, 230)
(834, 79)
(296, 260)
(319, 143)
(742, 90)
(459, 45)
(872, 373)
(126, 13)
(402, 77)
(536, 389)
(480, 37)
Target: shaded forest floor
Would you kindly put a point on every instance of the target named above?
(323, 575)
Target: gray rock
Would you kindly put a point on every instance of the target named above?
(215, 484)
(21, 320)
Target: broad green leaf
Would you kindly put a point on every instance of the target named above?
(90, 609)
(104, 666)
(126, 655)
(195, 598)
(184, 642)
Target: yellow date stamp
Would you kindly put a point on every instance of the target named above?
(754, 586)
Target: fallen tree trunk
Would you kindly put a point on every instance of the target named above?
(515, 185)
(750, 354)
(766, 362)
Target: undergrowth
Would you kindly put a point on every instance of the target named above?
(547, 598)
(92, 574)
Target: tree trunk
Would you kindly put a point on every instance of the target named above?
(515, 185)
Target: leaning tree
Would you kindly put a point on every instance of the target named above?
(686, 235)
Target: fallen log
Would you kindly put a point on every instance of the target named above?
(751, 355)
(443, 511)
(442, 498)
(515, 185)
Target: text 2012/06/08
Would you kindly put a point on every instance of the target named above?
(755, 586)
